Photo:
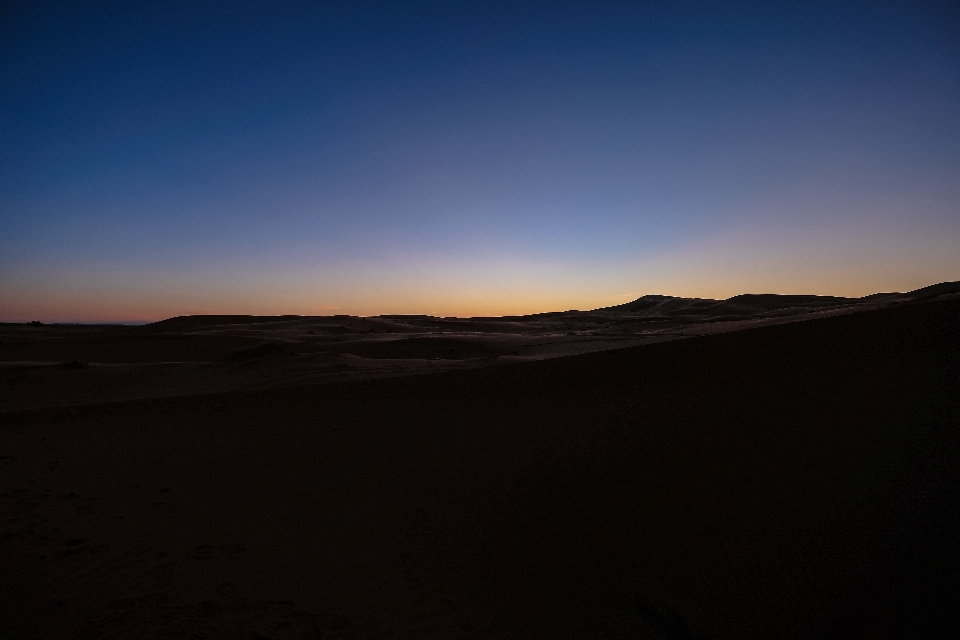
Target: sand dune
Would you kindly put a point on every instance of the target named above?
(788, 481)
(196, 355)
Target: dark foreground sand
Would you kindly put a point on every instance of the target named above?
(790, 481)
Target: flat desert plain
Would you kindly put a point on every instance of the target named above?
(759, 467)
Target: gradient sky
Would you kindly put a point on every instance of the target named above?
(455, 158)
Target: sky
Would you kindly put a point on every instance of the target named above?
(461, 159)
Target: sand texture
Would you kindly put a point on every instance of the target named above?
(292, 478)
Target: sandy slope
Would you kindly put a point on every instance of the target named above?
(789, 481)
(63, 365)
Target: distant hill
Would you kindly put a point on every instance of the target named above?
(745, 305)
(186, 323)
(751, 304)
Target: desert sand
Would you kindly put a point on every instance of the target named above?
(65, 365)
(760, 467)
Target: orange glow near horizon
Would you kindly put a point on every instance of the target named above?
(150, 308)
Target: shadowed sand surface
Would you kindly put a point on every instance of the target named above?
(789, 479)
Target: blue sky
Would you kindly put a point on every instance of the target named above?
(469, 159)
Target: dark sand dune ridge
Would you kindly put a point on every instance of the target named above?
(796, 480)
(196, 355)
